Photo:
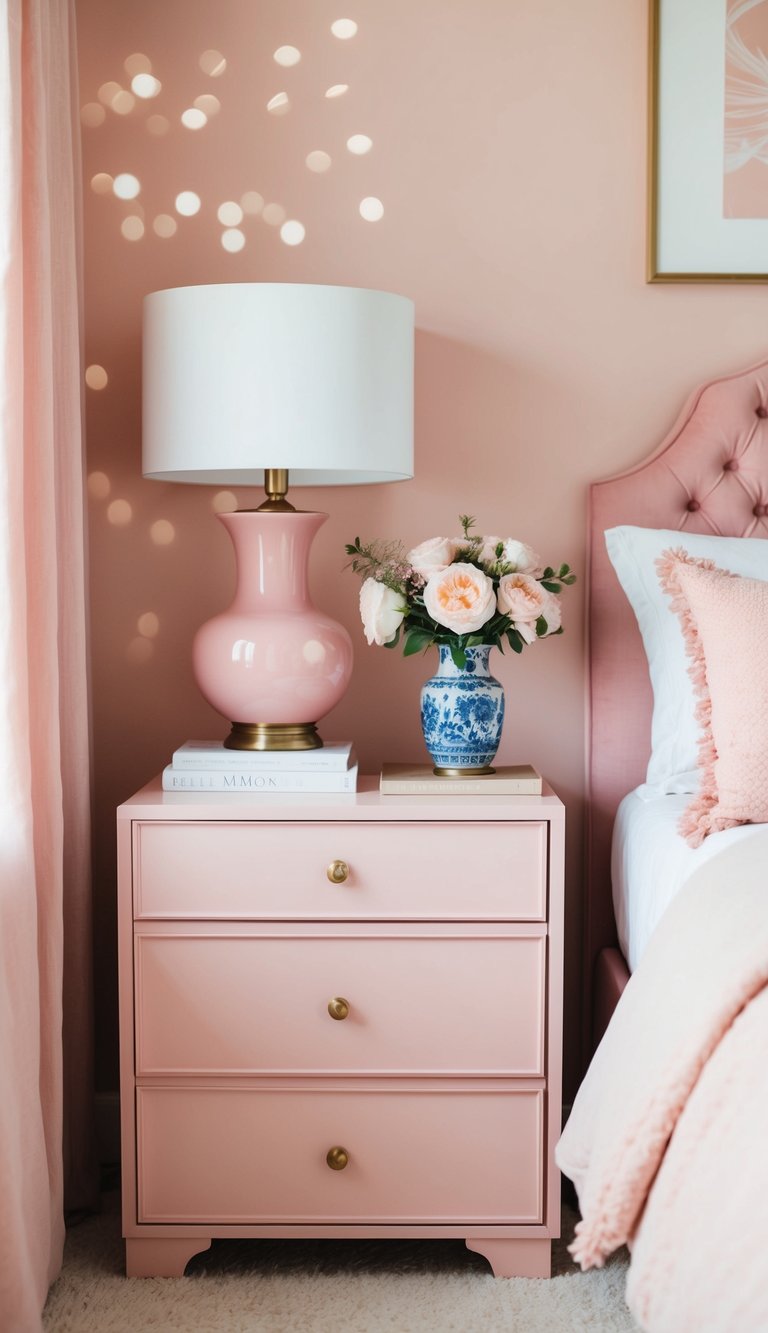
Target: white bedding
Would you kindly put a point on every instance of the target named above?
(650, 862)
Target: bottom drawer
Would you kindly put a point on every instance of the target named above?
(239, 1155)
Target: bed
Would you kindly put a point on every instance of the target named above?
(708, 476)
(666, 1142)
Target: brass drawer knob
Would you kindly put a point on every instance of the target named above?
(337, 872)
(337, 1158)
(338, 1007)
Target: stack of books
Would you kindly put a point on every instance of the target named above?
(207, 766)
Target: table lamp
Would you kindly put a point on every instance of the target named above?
(247, 384)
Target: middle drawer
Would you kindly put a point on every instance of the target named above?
(232, 999)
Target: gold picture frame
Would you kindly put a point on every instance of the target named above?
(689, 238)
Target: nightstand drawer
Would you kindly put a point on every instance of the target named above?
(385, 871)
(415, 1154)
(232, 1000)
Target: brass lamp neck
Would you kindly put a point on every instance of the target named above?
(276, 487)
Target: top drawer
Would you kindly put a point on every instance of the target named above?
(395, 871)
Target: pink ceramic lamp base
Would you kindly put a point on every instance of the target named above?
(272, 663)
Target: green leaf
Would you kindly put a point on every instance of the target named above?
(548, 572)
(392, 643)
(564, 569)
(569, 579)
(459, 656)
(415, 641)
(550, 587)
(514, 640)
(541, 627)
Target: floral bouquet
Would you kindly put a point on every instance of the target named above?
(457, 591)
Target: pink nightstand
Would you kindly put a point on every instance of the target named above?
(340, 1016)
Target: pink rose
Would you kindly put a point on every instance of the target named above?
(432, 556)
(382, 611)
(522, 598)
(460, 598)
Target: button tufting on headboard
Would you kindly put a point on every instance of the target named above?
(693, 506)
(731, 465)
(761, 411)
(760, 511)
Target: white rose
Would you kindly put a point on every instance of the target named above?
(487, 554)
(461, 598)
(522, 557)
(382, 611)
(432, 556)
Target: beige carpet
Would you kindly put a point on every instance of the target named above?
(286, 1286)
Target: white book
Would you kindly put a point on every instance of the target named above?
(257, 784)
(333, 758)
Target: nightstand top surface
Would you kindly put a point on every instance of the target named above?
(366, 804)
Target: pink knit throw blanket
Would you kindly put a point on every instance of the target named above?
(674, 1087)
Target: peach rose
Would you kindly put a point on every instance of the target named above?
(522, 598)
(382, 611)
(460, 598)
(432, 556)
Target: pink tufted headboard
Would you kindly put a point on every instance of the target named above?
(710, 474)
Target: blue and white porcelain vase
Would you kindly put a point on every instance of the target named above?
(462, 713)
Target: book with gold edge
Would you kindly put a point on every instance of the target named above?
(420, 779)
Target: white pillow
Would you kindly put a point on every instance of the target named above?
(633, 553)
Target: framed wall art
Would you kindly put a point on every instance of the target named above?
(708, 159)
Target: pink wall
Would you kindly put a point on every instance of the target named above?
(509, 154)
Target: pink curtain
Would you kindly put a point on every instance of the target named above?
(45, 953)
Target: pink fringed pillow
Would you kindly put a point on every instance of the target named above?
(724, 619)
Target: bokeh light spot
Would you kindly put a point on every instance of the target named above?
(126, 186)
(229, 213)
(193, 118)
(213, 63)
(99, 485)
(123, 103)
(223, 502)
(145, 85)
(273, 214)
(101, 183)
(108, 91)
(119, 513)
(233, 240)
(162, 532)
(132, 228)
(148, 624)
(252, 202)
(208, 104)
(157, 125)
(92, 114)
(371, 208)
(292, 232)
(337, 90)
(287, 56)
(187, 203)
(317, 160)
(279, 104)
(137, 63)
(140, 650)
(164, 225)
(359, 144)
(96, 377)
(344, 29)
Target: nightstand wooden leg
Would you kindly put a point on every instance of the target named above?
(514, 1258)
(161, 1258)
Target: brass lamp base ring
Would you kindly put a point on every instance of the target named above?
(273, 736)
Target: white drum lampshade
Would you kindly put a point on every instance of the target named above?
(251, 383)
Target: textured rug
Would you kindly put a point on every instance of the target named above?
(430, 1286)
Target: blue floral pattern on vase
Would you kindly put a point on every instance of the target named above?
(462, 711)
